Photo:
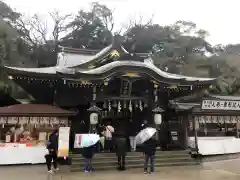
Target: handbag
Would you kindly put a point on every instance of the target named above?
(109, 138)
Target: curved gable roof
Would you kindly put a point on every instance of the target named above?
(118, 66)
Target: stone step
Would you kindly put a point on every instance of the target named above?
(97, 162)
(106, 161)
(111, 167)
(169, 154)
(79, 157)
(137, 153)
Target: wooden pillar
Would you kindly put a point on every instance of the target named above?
(185, 131)
(93, 112)
(195, 129)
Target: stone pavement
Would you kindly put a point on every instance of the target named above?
(224, 170)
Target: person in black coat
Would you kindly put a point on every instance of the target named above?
(121, 150)
(52, 147)
(149, 149)
(88, 153)
(121, 146)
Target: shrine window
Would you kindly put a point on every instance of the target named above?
(28, 130)
(213, 126)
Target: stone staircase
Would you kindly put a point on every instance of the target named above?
(108, 161)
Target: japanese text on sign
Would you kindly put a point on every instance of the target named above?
(221, 105)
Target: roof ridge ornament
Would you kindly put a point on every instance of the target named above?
(158, 110)
(94, 108)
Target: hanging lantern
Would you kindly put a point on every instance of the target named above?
(158, 119)
(93, 118)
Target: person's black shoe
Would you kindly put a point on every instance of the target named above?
(121, 168)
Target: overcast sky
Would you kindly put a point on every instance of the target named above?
(219, 17)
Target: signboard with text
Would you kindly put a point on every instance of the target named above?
(220, 105)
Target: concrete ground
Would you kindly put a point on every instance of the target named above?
(224, 170)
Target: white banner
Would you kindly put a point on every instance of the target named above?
(220, 105)
(63, 141)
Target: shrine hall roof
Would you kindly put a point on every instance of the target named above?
(183, 106)
(150, 66)
(54, 69)
(109, 60)
(107, 67)
(46, 70)
(35, 110)
(231, 98)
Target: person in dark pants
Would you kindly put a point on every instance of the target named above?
(121, 149)
(52, 147)
(88, 153)
(121, 145)
(149, 149)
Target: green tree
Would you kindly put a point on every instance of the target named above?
(10, 40)
(91, 29)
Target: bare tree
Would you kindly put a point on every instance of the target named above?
(41, 33)
(104, 14)
(59, 24)
(37, 31)
(137, 23)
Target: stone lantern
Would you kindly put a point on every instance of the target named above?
(158, 115)
(94, 113)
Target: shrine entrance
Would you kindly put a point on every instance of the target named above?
(173, 130)
(127, 112)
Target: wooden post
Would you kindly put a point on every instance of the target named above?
(195, 134)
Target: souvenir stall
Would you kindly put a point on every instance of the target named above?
(217, 126)
(24, 131)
